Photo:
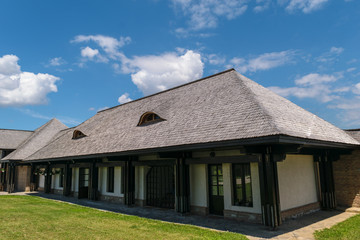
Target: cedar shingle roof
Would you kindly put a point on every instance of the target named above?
(355, 133)
(225, 106)
(37, 140)
(11, 139)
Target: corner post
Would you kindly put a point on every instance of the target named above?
(67, 179)
(182, 182)
(48, 177)
(11, 177)
(327, 186)
(94, 181)
(269, 188)
(129, 177)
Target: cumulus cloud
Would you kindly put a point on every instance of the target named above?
(57, 61)
(205, 14)
(156, 73)
(262, 62)
(261, 5)
(23, 88)
(109, 44)
(312, 85)
(88, 52)
(306, 6)
(124, 98)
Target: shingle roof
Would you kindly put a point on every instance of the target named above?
(355, 133)
(11, 139)
(225, 106)
(37, 140)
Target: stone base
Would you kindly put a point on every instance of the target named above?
(202, 211)
(242, 216)
(140, 202)
(112, 199)
(57, 191)
(299, 211)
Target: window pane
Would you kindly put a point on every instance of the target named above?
(221, 182)
(214, 191)
(221, 191)
(213, 170)
(214, 180)
(220, 170)
(242, 184)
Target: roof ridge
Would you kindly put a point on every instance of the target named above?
(17, 130)
(182, 85)
(258, 103)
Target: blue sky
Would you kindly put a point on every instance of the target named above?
(69, 59)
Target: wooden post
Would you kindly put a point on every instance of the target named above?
(3, 177)
(327, 189)
(94, 180)
(67, 180)
(269, 188)
(11, 177)
(129, 191)
(32, 178)
(48, 177)
(182, 182)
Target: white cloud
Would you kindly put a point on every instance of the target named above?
(263, 62)
(23, 88)
(124, 98)
(57, 61)
(312, 85)
(262, 5)
(154, 73)
(205, 14)
(109, 44)
(215, 59)
(103, 108)
(336, 50)
(88, 52)
(331, 55)
(306, 6)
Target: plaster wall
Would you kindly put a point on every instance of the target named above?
(55, 181)
(297, 183)
(198, 185)
(140, 182)
(75, 180)
(103, 182)
(41, 181)
(255, 186)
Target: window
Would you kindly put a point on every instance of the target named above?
(149, 117)
(61, 178)
(110, 179)
(78, 134)
(242, 185)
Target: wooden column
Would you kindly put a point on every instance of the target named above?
(269, 188)
(327, 188)
(32, 178)
(94, 181)
(3, 176)
(182, 182)
(129, 182)
(48, 177)
(67, 180)
(10, 177)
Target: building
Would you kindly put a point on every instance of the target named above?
(220, 145)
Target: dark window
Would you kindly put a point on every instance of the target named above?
(78, 134)
(242, 185)
(110, 179)
(149, 117)
(61, 181)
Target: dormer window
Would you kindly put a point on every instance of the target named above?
(78, 134)
(148, 118)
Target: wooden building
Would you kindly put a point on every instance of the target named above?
(221, 145)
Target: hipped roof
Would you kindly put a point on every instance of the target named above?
(38, 139)
(222, 107)
(11, 139)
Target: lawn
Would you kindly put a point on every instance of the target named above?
(29, 217)
(349, 229)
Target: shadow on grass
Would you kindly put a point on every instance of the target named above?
(213, 222)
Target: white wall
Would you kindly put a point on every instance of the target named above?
(198, 185)
(75, 180)
(228, 192)
(55, 180)
(140, 182)
(41, 181)
(296, 181)
(103, 182)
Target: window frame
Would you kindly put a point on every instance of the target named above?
(244, 201)
(110, 179)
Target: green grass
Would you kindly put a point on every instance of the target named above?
(349, 229)
(29, 217)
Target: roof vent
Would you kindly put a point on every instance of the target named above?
(149, 118)
(78, 134)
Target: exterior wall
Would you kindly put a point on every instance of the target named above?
(55, 183)
(41, 182)
(140, 185)
(75, 181)
(297, 182)
(22, 181)
(115, 196)
(347, 180)
(198, 189)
